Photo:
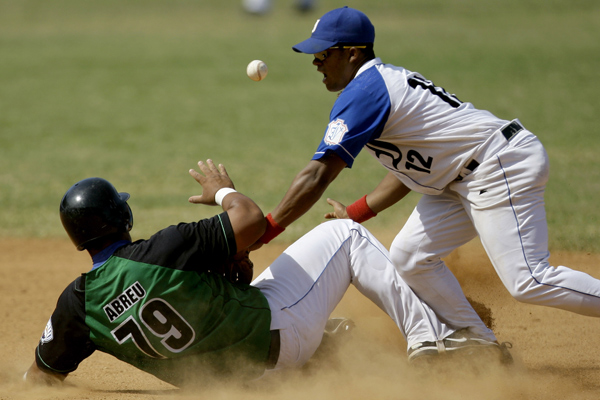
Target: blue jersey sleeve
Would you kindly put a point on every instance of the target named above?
(358, 116)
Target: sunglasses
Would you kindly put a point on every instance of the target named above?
(324, 54)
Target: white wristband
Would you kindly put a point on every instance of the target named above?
(221, 193)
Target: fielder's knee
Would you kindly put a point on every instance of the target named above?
(528, 291)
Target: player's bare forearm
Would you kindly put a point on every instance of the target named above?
(307, 188)
(389, 191)
(299, 198)
(247, 219)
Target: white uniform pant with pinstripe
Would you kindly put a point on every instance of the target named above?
(502, 201)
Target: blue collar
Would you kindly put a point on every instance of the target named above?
(107, 252)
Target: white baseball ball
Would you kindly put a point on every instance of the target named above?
(257, 70)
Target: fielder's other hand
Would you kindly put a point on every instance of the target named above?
(339, 210)
(212, 178)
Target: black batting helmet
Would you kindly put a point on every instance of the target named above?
(92, 208)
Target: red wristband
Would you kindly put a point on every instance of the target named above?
(273, 229)
(359, 211)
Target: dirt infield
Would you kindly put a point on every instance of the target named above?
(557, 353)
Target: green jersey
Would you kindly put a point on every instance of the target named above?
(152, 304)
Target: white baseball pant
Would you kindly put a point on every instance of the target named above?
(307, 281)
(502, 201)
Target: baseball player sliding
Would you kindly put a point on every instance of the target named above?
(177, 307)
(479, 175)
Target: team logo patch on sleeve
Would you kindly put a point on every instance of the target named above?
(335, 132)
(48, 334)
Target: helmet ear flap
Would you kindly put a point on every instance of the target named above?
(126, 210)
(129, 218)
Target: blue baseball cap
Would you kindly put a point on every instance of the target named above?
(342, 25)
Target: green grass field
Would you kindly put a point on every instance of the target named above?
(138, 91)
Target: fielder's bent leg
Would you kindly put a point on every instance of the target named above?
(437, 226)
(511, 222)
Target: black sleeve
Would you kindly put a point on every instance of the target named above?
(196, 246)
(66, 339)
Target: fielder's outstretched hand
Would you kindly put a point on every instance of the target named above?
(339, 210)
(212, 179)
